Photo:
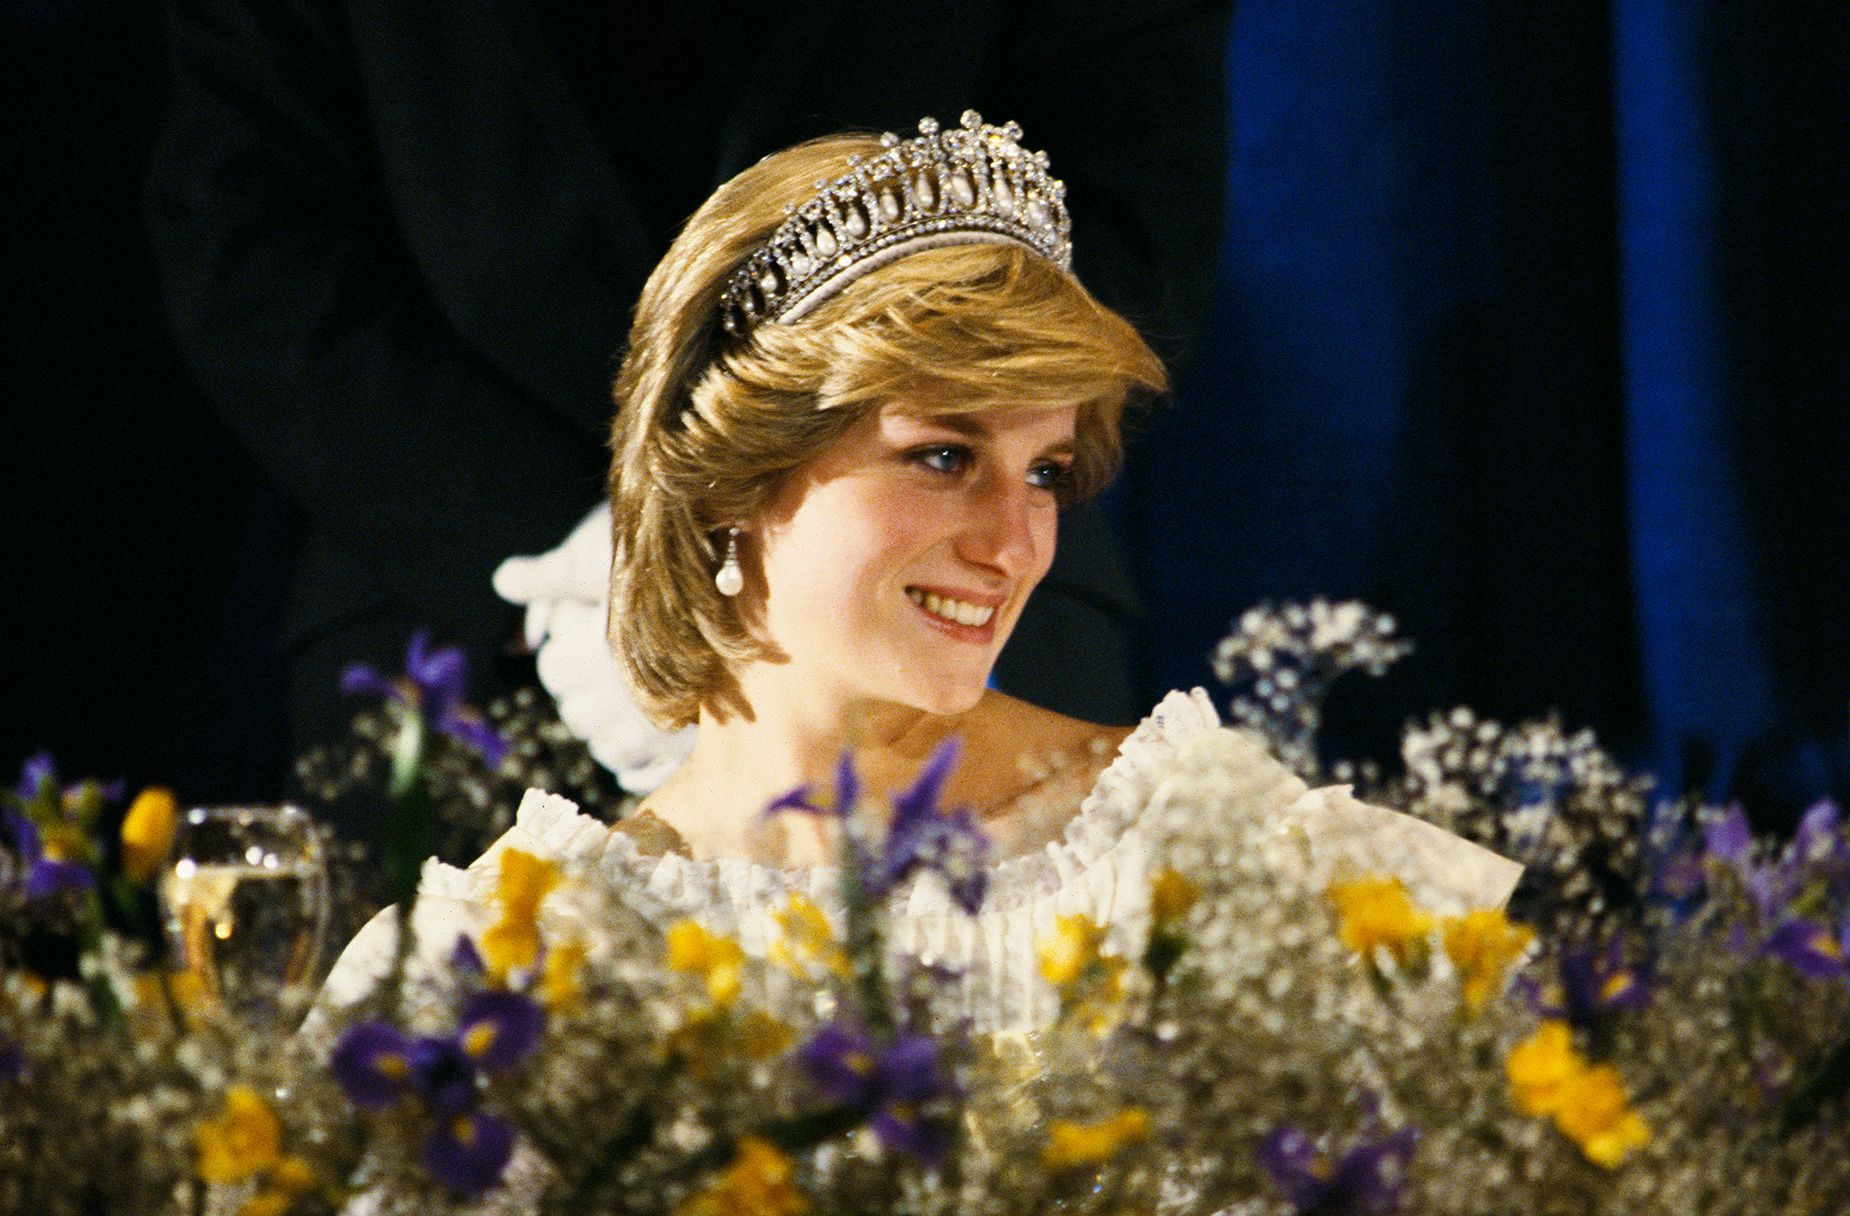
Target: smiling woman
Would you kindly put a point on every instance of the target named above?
(717, 411)
(857, 392)
(870, 400)
(848, 417)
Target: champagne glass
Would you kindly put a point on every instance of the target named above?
(245, 896)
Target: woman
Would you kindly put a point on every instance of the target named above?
(880, 456)
(858, 388)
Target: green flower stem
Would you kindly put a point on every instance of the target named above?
(96, 982)
(866, 945)
(175, 1018)
(409, 833)
(1164, 949)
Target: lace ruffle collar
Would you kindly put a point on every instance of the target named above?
(1119, 795)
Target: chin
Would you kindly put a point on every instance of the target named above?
(943, 697)
(955, 698)
(961, 702)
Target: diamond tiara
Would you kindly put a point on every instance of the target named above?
(971, 184)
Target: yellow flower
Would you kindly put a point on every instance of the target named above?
(559, 986)
(762, 1035)
(1618, 984)
(1482, 944)
(1376, 913)
(1072, 947)
(718, 960)
(522, 882)
(245, 1138)
(1172, 894)
(1588, 1102)
(147, 831)
(294, 1175)
(1070, 1143)
(290, 1180)
(805, 940)
(509, 945)
(1541, 1067)
(1595, 1113)
(757, 1183)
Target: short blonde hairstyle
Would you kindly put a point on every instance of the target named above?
(709, 427)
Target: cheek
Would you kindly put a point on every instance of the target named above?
(846, 545)
(1047, 536)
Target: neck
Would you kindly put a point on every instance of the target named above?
(792, 737)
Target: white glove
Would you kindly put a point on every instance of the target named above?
(566, 593)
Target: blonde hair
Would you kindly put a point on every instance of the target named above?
(708, 426)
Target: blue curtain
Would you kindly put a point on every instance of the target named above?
(1531, 329)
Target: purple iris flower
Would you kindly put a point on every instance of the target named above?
(38, 777)
(1366, 1179)
(921, 836)
(1819, 845)
(442, 1074)
(890, 1083)
(433, 685)
(468, 1152)
(45, 876)
(1812, 948)
(1593, 984)
(1729, 839)
(498, 1029)
(378, 1064)
(372, 1063)
(803, 797)
(34, 774)
(466, 958)
(1818, 851)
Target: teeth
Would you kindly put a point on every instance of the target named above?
(950, 609)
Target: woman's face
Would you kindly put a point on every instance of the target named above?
(897, 562)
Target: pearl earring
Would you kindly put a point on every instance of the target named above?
(730, 580)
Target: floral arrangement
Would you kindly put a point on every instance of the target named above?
(1659, 1023)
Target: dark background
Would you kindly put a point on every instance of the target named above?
(1532, 329)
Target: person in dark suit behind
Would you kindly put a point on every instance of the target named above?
(399, 245)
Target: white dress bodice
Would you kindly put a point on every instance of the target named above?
(1097, 866)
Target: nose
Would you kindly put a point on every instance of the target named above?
(1005, 529)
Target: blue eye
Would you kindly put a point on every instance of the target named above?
(943, 457)
(1049, 475)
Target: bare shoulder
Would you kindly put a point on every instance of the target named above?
(1027, 768)
(1002, 722)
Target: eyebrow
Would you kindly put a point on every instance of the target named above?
(973, 426)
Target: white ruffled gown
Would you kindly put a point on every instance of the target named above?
(1097, 866)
